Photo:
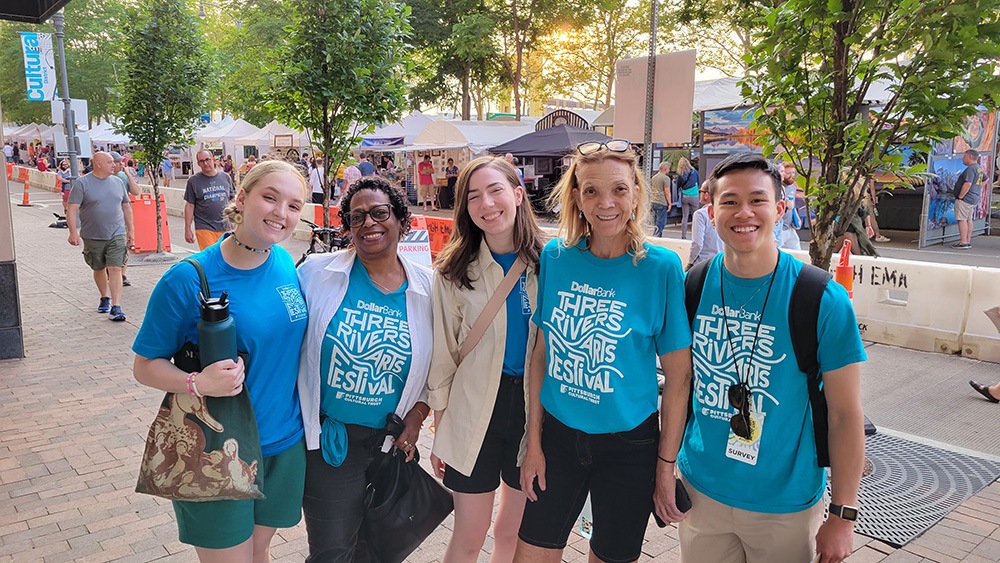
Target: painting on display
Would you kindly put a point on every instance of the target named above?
(729, 131)
(978, 134)
(941, 210)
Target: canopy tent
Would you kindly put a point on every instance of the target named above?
(552, 142)
(477, 136)
(402, 132)
(227, 137)
(264, 138)
(48, 134)
(105, 133)
(27, 133)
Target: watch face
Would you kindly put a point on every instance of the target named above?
(849, 513)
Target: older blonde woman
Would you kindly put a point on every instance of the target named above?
(609, 305)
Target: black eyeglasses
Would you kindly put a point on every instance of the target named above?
(204, 160)
(741, 423)
(379, 214)
(614, 145)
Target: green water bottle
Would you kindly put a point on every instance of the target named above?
(216, 330)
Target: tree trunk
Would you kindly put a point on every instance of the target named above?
(156, 205)
(466, 97)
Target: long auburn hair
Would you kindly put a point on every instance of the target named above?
(466, 238)
(573, 226)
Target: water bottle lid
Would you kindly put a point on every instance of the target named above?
(214, 310)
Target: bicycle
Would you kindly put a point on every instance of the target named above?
(324, 239)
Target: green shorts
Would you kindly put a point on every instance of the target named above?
(99, 254)
(227, 523)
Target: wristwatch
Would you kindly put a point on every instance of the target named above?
(849, 513)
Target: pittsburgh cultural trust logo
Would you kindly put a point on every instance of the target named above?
(584, 330)
(370, 347)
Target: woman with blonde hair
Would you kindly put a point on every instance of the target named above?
(479, 402)
(609, 305)
(270, 315)
(687, 183)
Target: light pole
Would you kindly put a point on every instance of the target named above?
(69, 119)
(201, 12)
(647, 138)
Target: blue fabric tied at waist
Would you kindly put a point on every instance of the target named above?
(333, 441)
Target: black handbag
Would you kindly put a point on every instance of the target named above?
(403, 504)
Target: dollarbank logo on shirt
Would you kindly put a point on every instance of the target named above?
(585, 328)
(714, 369)
(294, 303)
(370, 348)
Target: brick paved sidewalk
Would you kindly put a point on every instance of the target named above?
(73, 422)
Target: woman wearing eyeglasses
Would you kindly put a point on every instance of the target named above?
(479, 401)
(366, 354)
(609, 305)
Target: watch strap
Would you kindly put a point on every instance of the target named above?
(849, 513)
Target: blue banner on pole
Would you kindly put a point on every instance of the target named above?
(39, 66)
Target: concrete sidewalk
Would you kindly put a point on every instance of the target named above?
(73, 423)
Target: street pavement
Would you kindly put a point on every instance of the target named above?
(73, 422)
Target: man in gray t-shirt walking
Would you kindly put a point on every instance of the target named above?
(99, 215)
(206, 195)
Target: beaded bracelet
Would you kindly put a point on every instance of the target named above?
(188, 383)
(194, 386)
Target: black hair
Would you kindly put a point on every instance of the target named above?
(746, 161)
(376, 184)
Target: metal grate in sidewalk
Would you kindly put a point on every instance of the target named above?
(913, 486)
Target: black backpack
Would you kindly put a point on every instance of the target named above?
(803, 314)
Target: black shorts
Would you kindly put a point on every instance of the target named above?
(498, 454)
(618, 470)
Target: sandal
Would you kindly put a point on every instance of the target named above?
(984, 391)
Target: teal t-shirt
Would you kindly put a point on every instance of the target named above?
(518, 315)
(605, 322)
(782, 464)
(270, 316)
(366, 353)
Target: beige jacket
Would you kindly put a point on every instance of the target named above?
(468, 392)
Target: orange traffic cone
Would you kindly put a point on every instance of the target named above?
(844, 274)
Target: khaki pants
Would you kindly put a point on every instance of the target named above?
(722, 534)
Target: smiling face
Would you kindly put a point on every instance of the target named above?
(492, 206)
(607, 194)
(374, 240)
(744, 212)
(270, 210)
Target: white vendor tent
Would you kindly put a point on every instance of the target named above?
(227, 137)
(105, 133)
(27, 133)
(264, 138)
(402, 132)
(477, 136)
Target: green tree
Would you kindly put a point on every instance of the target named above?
(455, 42)
(580, 63)
(816, 65)
(521, 24)
(342, 68)
(162, 84)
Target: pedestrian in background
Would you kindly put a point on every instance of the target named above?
(687, 184)
(659, 197)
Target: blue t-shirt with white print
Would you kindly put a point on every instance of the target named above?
(605, 322)
(782, 464)
(270, 316)
(366, 353)
(518, 315)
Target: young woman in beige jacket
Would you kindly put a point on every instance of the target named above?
(479, 402)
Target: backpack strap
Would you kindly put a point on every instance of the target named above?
(694, 283)
(803, 316)
(201, 275)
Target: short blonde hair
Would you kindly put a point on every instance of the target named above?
(573, 226)
(254, 176)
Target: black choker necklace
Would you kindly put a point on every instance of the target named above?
(250, 248)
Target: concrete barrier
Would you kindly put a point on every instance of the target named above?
(981, 334)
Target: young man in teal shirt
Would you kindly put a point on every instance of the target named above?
(749, 455)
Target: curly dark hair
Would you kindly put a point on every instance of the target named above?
(377, 184)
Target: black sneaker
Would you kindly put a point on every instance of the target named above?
(116, 314)
(105, 305)
(125, 282)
